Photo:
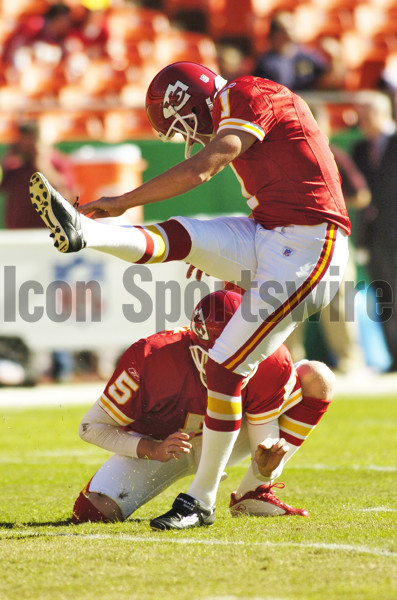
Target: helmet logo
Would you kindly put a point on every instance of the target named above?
(198, 325)
(175, 98)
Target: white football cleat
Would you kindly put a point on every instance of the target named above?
(263, 503)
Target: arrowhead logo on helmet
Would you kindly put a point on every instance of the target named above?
(175, 98)
(198, 324)
(179, 100)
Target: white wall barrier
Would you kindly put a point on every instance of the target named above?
(88, 300)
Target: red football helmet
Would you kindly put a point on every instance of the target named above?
(209, 319)
(180, 100)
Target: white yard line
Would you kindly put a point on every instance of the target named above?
(322, 467)
(10, 533)
(377, 509)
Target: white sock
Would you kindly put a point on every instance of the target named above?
(125, 242)
(216, 449)
(249, 483)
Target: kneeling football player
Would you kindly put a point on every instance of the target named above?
(151, 414)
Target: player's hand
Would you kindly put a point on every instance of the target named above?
(107, 206)
(198, 275)
(173, 447)
(268, 456)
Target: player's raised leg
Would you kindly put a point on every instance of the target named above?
(72, 231)
(221, 247)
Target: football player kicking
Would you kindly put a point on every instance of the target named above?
(294, 247)
(151, 415)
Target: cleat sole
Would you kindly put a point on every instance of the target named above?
(39, 194)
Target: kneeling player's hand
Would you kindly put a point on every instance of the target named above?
(198, 274)
(268, 456)
(173, 446)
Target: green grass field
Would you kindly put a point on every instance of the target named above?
(345, 475)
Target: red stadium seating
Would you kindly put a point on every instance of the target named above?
(141, 41)
(122, 125)
(184, 45)
(71, 125)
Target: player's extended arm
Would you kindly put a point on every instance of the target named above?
(98, 428)
(181, 178)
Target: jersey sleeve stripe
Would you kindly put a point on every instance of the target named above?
(240, 124)
(113, 411)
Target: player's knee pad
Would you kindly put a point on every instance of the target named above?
(84, 511)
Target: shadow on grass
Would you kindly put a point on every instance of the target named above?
(67, 522)
(18, 524)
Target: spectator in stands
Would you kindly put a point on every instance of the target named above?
(40, 37)
(25, 156)
(233, 61)
(90, 33)
(296, 66)
(376, 157)
(340, 333)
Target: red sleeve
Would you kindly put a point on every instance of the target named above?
(242, 105)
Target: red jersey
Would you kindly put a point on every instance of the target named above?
(288, 175)
(156, 388)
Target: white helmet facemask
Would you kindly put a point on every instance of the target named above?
(200, 357)
(180, 125)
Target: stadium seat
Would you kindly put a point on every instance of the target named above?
(73, 125)
(12, 98)
(364, 59)
(341, 115)
(185, 45)
(331, 5)
(261, 8)
(386, 4)
(122, 125)
(20, 8)
(173, 6)
(130, 23)
(371, 20)
(313, 22)
(133, 95)
(102, 79)
(229, 18)
(8, 126)
(40, 81)
(389, 74)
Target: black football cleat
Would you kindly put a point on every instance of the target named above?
(61, 218)
(186, 512)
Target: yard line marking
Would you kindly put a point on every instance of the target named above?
(321, 467)
(377, 509)
(136, 538)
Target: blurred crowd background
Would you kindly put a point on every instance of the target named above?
(76, 72)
